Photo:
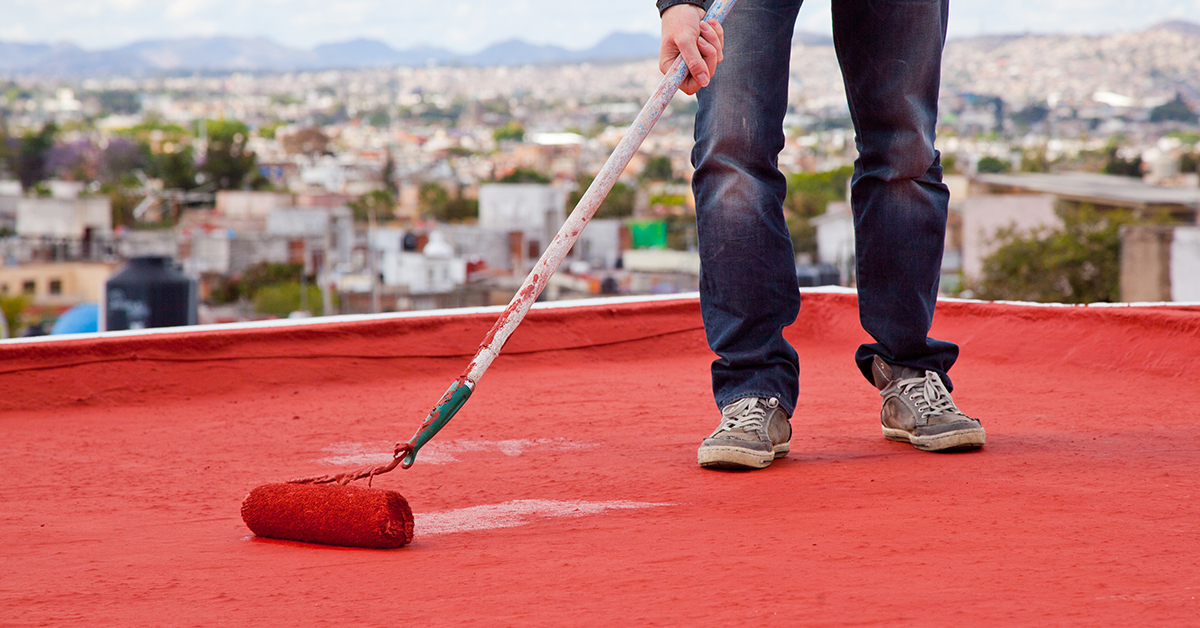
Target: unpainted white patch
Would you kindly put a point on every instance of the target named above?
(514, 513)
(444, 452)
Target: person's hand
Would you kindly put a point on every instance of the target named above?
(701, 43)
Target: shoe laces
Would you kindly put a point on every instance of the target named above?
(744, 414)
(928, 394)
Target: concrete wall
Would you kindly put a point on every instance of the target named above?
(77, 281)
(1185, 265)
(63, 218)
(248, 204)
(537, 210)
(1160, 263)
(984, 214)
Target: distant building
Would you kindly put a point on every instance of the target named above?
(60, 284)
(250, 204)
(70, 218)
(433, 270)
(1102, 191)
(535, 211)
(1160, 263)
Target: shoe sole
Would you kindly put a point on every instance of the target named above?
(972, 438)
(736, 458)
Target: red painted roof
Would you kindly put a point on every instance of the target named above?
(566, 491)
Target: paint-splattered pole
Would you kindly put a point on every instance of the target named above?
(461, 389)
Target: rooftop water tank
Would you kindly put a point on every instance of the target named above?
(149, 291)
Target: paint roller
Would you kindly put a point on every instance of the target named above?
(325, 509)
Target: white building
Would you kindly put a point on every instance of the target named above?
(75, 218)
(535, 210)
(433, 270)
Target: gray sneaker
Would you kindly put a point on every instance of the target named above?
(752, 433)
(917, 409)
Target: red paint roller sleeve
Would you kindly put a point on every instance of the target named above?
(330, 514)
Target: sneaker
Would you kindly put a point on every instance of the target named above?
(752, 433)
(917, 409)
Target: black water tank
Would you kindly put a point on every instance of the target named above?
(149, 292)
(812, 275)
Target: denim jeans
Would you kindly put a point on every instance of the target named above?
(890, 54)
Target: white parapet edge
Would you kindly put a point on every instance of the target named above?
(280, 323)
(356, 318)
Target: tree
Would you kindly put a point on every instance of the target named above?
(378, 203)
(512, 130)
(1035, 161)
(119, 159)
(432, 199)
(1077, 263)
(1120, 166)
(808, 194)
(992, 165)
(618, 204)
(31, 155)
(658, 169)
(1174, 111)
(308, 141)
(524, 175)
(176, 169)
(227, 162)
(1189, 162)
(281, 299)
(389, 176)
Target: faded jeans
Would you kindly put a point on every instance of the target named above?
(890, 55)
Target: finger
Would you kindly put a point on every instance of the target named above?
(695, 62)
(720, 31)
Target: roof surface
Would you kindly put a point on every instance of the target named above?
(566, 492)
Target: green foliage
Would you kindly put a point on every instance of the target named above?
(227, 163)
(524, 175)
(992, 165)
(618, 204)
(949, 163)
(12, 308)
(1174, 111)
(378, 203)
(177, 169)
(512, 130)
(808, 194)
(388, 175)
(658, 169)
(31, 155)
(437, 203)
(459, 208)
(1117, 165)
(1077, 263)
(268, 130)
(668, 199)
(254, 279)
(1030, 115)
(1189, 162)
(123, 204)
(1035, 161)
(281, 299)
(432, 199)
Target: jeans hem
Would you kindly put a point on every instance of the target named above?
(761, 395)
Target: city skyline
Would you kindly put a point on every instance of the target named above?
(469, 25)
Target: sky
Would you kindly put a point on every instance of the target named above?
(469, 25)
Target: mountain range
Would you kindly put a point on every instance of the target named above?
(258, 54)
(220, 54)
